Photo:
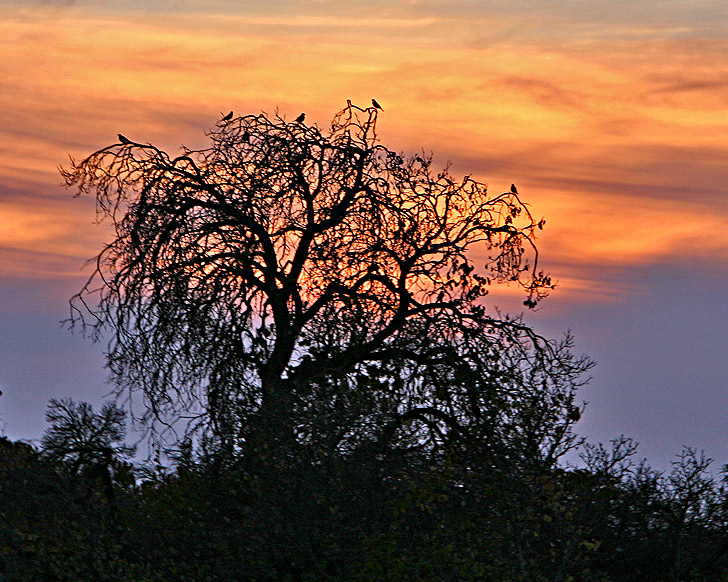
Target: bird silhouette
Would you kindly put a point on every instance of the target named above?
(124, 139)
(228, 117)
(513, 189)
(300, 118)
(246, 136)
(376, 105)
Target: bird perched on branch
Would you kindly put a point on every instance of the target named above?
(300, 118)
(124, 139)
(228, 117)
(376, 105)
(514, 189)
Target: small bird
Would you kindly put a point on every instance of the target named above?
(300, 118)
(124, 139)
(514, 189)
(246, 136)
(574, 414)
(228, 117)
(376, 105)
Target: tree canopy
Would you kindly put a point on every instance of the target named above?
(284, 272)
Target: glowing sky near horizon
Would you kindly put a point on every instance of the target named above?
(611, 117)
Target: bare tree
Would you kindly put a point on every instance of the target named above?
(284, 276)
(88, 442)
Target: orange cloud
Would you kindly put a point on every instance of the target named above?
(621, 148)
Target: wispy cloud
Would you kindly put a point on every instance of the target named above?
(321, 23)
(607, 137)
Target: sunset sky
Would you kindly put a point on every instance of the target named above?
(610, 116)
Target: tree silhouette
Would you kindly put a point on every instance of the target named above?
(315, 305)
(323, 287)
(86, 441)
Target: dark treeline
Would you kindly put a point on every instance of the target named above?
(392, 516)
(302, 321)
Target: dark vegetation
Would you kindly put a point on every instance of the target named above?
(300, 321)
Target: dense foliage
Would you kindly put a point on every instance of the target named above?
(302, 320)
(375, 519)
